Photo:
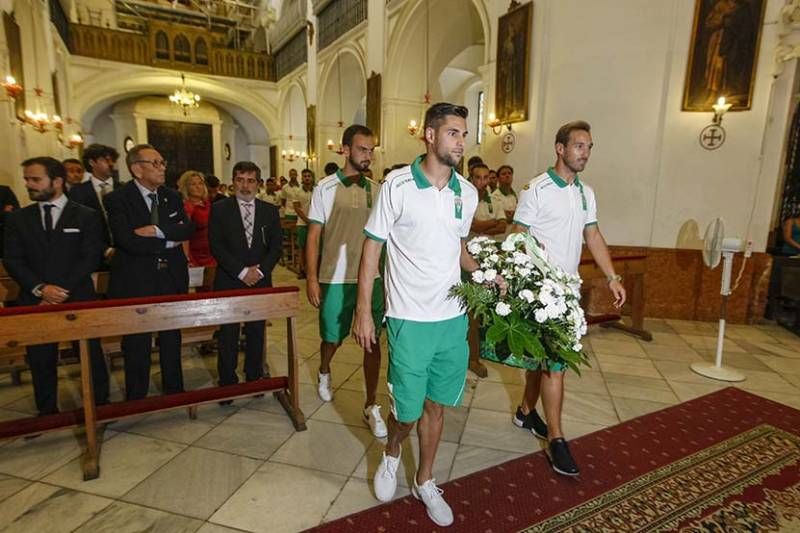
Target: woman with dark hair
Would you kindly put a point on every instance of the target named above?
(791, 235)
(192, 186)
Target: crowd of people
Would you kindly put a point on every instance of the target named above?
(376, 255)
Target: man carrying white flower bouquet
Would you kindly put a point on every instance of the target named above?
(560, 211)
(422, 214)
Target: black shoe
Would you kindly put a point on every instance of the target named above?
(532, 422)
(223, 403)
(560, 458)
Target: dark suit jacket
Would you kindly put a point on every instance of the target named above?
(68, 259)
(134, 267)
(84, 193)
(229, 244)
(7, 198)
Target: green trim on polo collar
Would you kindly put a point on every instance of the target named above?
(558, 180)
(422, 181)
(362, 181)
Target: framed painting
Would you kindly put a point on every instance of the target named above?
(311, 130)
(723, 53)
(14, 42)
(374, 106)
(513, 63)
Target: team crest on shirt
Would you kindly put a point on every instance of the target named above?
(526, 187)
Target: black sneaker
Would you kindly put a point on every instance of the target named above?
(532, 422)
(560, 458)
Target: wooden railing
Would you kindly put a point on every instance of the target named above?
(140, 49)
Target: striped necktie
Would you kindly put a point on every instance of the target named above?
(248, 223)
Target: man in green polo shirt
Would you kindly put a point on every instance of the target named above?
(423, 214)
(341, 204)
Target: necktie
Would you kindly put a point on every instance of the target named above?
(48, 219)
(248, 223)
(103, 189)
(153, 208)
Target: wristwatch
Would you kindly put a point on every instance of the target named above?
(37, 290)
(615, 277)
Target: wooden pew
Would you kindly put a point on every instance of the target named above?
(632, 269)
(22, 326)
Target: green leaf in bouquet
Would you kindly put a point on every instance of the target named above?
(516, 342)
(497, 331)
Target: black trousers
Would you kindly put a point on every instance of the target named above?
(137, 351)
(229, 352)
(42, 359)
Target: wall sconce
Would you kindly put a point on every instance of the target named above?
(496, 125)
(720, 108)
(13, 89)
(334, 148)
(413, 128)
(75, 140)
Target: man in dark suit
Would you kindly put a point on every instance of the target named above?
(246, 240)
(8, 203)
(52, 248)
(148, 224)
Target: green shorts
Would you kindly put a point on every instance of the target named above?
(338, 306)
(426, 360)
(302, 236)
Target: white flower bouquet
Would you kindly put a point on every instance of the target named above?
(537, 322)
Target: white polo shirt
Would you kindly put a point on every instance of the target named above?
(508, 201)
(287, 194)
(489, 208)
(298, 195)
(556, 213)
(343, 207)
(422, 227)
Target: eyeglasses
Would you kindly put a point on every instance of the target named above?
(155, 162)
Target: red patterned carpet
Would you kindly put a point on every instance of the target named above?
(726, 462)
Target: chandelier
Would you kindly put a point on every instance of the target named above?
(185, 99)
(40, 120)
(292, 155)
(13, 89)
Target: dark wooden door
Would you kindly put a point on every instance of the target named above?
(186, 146)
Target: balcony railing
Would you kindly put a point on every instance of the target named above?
(338, 17)
(170, 46)
(291, 55)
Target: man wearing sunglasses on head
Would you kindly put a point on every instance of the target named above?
(148, 224)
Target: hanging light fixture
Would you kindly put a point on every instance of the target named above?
(413, 126)
(13, 89)
(39, 120)
(185, 99)
(332, 146)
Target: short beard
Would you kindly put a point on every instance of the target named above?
(573, 166)
(447, 159)
(43, 195)
(361, 167)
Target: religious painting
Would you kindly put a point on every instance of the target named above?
(723, 53)
(513, 53)
(374, 106)
(311, 128)
(14, 43)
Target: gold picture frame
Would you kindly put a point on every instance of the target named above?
(374, 106)
(513, 64)
(723, 54)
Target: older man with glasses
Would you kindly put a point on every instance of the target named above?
(148, 224)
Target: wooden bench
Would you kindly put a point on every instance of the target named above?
(632, 269)
(22, 326)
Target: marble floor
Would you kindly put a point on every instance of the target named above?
(244, 468)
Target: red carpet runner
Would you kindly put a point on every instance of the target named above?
(729, 461)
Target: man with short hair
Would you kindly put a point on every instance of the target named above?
(75, 173)
(269, 193)
(100, 161)
(286, 195)
(423, 214)
(560, 211)
(504, 192)
(148, 224)
(301, 201)
(492, 180)
(213, 185)
(245, 237)
(341, 205)
(52, 248)
(331, 168)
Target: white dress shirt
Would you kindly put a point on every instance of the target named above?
(58, 208)
(145, 192)
(241, 204)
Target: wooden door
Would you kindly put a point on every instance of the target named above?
(185, 145)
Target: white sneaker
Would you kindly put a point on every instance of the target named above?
(431, 496)
(386, 477)
(324, 387)
(372, 416)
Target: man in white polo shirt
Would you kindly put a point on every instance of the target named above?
(341, 204)
(560, 210)
(300, 199)
(423, 214)
(505, 192)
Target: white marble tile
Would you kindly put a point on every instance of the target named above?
(347, 408)
(308, 372)
(782, 365)
(588, 381)
(632, 366)
(35, 458)
(268, 502)
(636, 388)
(739, 361)
(125, 461)
(504, 374)
(44, 508)
(680, 371)
(627, 349)
(325, 446)
(121, 517)
(493, 429)
(766, 381)
(665, 339)
(356, 496)
(699, 341)
(471, 459)
(249, 432)
(409, 461)
(781, 350)
(208, 527)
(575, 428)
(629, 408)
(175, 425)
(195, 483)
(309, 402)
(356, 383)
(672, 353)
(495, 396)
(794, 379)
(590, 408)
(10, 485)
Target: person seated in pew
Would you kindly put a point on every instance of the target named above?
(246, 240)
(148, 225)
(8, 203)
(52, 247)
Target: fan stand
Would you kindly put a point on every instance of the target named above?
(716, 370)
